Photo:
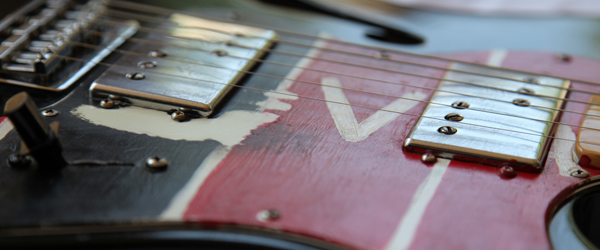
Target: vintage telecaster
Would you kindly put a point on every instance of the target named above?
(238, 124)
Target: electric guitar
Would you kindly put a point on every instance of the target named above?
(243, 124)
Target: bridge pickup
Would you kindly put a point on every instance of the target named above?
(498, 122)
(192, 66)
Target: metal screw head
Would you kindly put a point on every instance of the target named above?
(507, 172)
(17, 161)
(578, 173)
(454, 117)
(135, 76)
(526, 91)
(219, 52)
(428, 158)
(156, 162)
(532, 80)
(49, 113)
(460, 105)
(147, 64)
(381, 55)
(107, 104)
(157, 53)
(564, 57)
(178, 115)
(268, 215)
(447, 130)
(521, 102)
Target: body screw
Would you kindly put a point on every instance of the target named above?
(564, 57)
(178, 115)
(578, 173)
(507, 172)
(526, 91)
(454, 117)
(49, 113)
(268, 215)
(157, 53)
(147, 64)
(135, 76)
(428, 158)
(460, 105)
(521, 102)
(17, 161)
(107, 104)
(447, 130)
(156, 162)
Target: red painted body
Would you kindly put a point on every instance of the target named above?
(355, 193)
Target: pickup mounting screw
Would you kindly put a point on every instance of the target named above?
(49, 113)
(578, 173)
(178, 116)
(454, 117)
(156, 162)
(157, 53)
(268, 215)
(147, 64)
(449, 130)
(135, 76)
(460, 105)
(107, 104)
(428, 158)
(521, 102)
(526, 91)
(507, 172)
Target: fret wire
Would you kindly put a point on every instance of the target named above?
(319, 84)
(161, 10)
(381, 69)
(402, 84)
(317, 99)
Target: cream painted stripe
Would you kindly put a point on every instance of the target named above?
(496, 57)
(405, 232)
(181, 201)
(5, 127)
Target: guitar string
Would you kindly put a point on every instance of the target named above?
(323, 100)
(320, 84)
(385, 70)
(156, 20)
(163, 11)
(154, 31)
(354, 76)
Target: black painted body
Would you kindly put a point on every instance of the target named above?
(131, 192)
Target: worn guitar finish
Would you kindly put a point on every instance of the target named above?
(291, 166)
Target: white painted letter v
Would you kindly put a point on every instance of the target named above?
(344, 118)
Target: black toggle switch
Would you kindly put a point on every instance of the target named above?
(40, 139)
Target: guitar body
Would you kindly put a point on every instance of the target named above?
(289, 166)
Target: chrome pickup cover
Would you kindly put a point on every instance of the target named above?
(192, 65)
(492, 130)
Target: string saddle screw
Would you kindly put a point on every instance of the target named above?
(220, 52)
(157, 53)
(532, 80)
(147, 64)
